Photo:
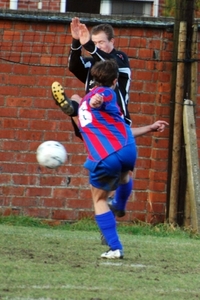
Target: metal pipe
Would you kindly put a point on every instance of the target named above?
(155, 8)
(40, 4)
(13, 4)
(63, 4)
(105, 7)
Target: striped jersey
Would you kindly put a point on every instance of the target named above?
(103, 129)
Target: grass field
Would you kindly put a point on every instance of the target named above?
(41, 262)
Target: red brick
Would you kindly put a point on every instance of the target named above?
(13, 167)
(80, 204)
(5, 178)
(10, 211)
(142, 174)
(57, 203)
(53, 180)
(29, 157)
(21, 202)
(65, 193)
(21, 80)
(58, 136)
(157, 186)
(18, 101)
(144, 75)
(141, 184)
(159, 165)
(144, 151)
(70, 215)
(27, 113)
(37, 212)
(15, 123)
(8, 112)
(15, 145)
(6, 90)
(6, 134)
(12, 190)
(80, 182)
(38, 192)
(29, 135)
(143, 163)
(156, 207)
(24, 179)
(156, 197)
(136, 206)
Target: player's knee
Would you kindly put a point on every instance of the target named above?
(76, 98)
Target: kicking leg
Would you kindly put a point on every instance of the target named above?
(118, 203)
(61, 99)
(68, 106)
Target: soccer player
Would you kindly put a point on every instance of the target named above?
(111, 150)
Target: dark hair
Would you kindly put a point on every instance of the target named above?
(108, 29)
(105, 72)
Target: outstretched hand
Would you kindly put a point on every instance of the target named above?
(79, 31)
(159, 126)
(74, 26)
(84, 34)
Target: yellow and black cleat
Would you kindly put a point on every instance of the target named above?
(61, 99)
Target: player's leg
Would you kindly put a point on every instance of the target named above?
(61, 99)
(127, 156)
(118, 203)
(105, 179)
(106, 223)
(110, 198)
(68, 106)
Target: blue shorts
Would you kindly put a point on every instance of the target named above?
(107, 173)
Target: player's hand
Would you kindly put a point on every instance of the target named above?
(74, 26)
(159, 126)
(84, 34)
(96, 100)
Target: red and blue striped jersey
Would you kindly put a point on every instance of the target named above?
(103, 129)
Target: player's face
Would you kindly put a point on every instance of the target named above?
(102, 42)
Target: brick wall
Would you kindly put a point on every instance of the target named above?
(33, 55)
(29, 116)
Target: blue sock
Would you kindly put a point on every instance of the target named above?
(122, 194)
(107, 225)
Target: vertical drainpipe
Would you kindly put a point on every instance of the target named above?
(63, 4)
(13, 4)
(105, 7)
(155, 8)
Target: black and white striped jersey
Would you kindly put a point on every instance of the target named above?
(80, 66)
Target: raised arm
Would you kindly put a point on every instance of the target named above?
(77, 65)
(158, 126)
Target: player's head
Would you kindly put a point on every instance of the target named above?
(105, 73)
(103, 37)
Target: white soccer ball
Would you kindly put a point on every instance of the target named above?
(51, 154)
